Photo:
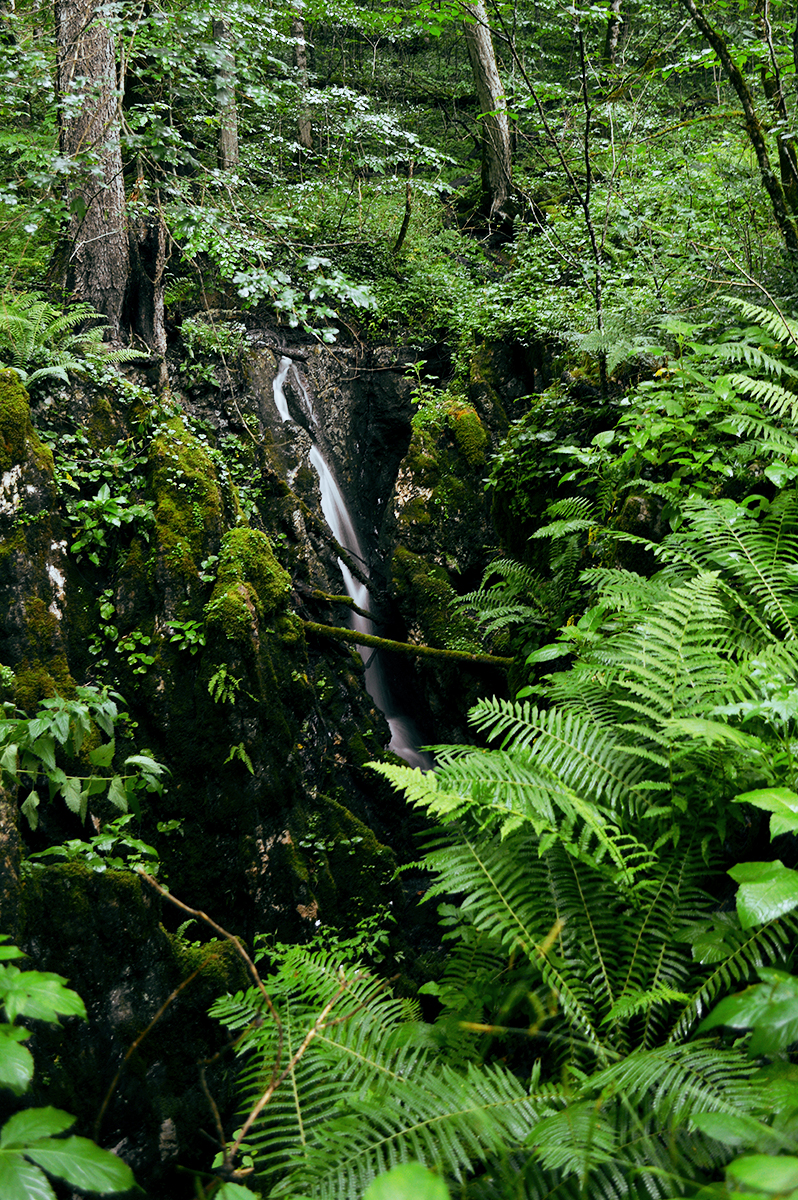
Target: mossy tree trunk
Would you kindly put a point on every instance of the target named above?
(93, 261)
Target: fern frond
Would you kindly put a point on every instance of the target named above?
(756, 555)
(776, 398)
(750, 950)
(754, 358)
(776, 325)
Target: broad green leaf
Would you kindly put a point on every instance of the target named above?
(16, 1062)
(83, 1164)
(20, 1180)
(146, 764)
(410, 1181)
(33, 1124)
(116, 794)
(771, 1175)
(767, 890)
(735, 1129)
(102, 756)
(782, 802)
(30, 809)
(8, 761)
(234, 1191)
(71, 794)
(45, 748)
(769, 1008)
(38, 994)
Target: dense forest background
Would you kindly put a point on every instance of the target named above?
(523, 277)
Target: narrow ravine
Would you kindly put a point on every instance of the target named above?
(404, 737)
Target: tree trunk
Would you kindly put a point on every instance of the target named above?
(94, 262)
(10, 861)
(772, 184)
(496, 153)
(614, 25)
(304, 124)
(226, 96)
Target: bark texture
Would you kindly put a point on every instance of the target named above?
(614, 24)
(10, 860)
(94, 262)
(226, 96)
(304, 124)
(496, 149)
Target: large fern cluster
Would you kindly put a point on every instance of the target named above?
(39, 341)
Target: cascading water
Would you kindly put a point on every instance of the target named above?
(403, 742)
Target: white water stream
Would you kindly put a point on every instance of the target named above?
(404, 741)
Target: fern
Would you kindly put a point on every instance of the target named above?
(39, 341)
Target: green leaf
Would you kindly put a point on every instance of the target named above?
(71, 794)
(82, 1164)
(234, 1191)
(16, 1062)
(44, 747)
(116, 794)
(8, 761)
(102, 756)
(32, 1125)
(770, 1008)
(29, 808)
(782, 802)
(767, 890)
(410, 1181)
(732, 1129)
(20, 1180)
(38, 994)
(146, 764)
(767, 1174)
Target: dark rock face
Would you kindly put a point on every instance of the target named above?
(102, 932)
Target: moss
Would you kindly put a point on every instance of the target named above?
(35, 681)
(189, 504)
(217, 962)
(250, 586)
(46, 671)
(102, 428)
(469, 434)
(426, 597)
(18, 439)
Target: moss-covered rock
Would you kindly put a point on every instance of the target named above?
(189, 500)
(18, 439)
(426, 599)
(469, 434)
(102, 931)
(250, 587)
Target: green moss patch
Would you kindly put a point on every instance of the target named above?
(18, 439)
(250, 584)
(189, 505)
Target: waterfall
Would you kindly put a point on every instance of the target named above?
(404, 740)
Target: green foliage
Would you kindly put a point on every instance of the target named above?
(31, 749)
(39, 341)
(114, 848)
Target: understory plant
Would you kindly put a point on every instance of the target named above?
(32, 1149)
(580, 861)
(41, 342)
(34, 752)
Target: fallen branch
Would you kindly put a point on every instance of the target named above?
(367, 639)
